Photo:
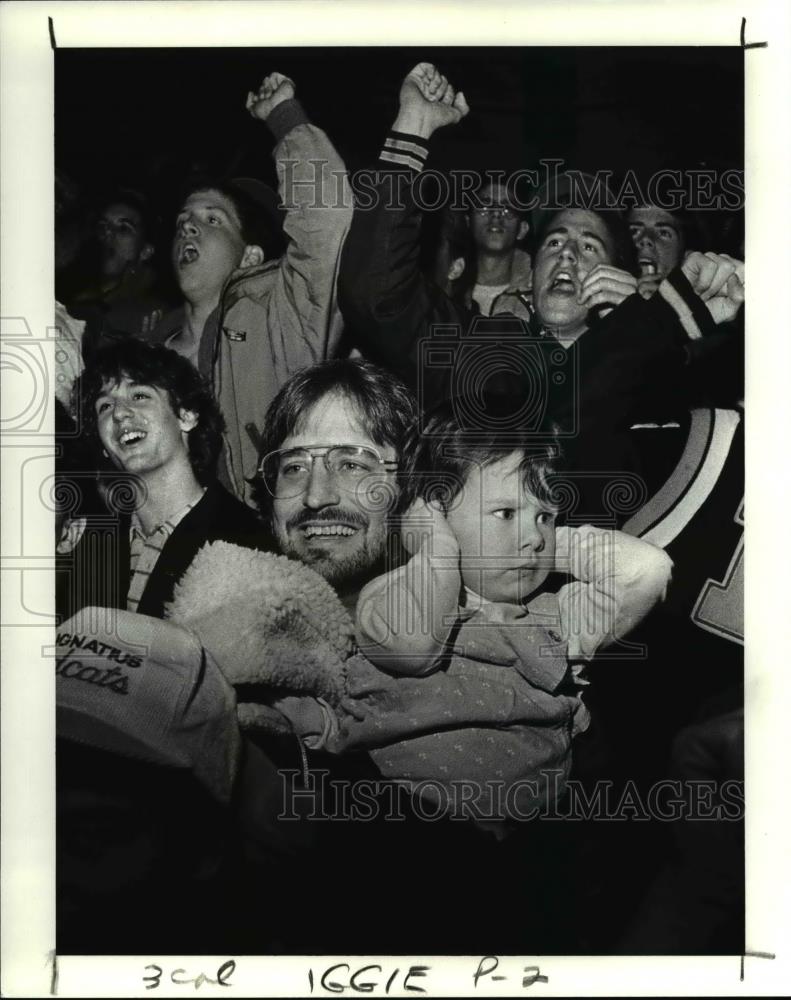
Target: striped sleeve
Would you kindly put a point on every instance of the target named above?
(690, 309)
(405, 150)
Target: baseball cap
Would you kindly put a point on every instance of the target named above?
(146, 689)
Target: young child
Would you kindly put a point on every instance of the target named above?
(484, 657)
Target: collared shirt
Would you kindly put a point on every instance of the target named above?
(485, 295)
(144, 550)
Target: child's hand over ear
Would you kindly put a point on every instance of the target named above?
(425, 524)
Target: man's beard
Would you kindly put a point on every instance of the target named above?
(346, 573)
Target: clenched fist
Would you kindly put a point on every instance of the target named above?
(719, 280)
(275, 89)
(427, 102)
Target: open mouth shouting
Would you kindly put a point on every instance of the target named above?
(187, 254)
(563, 282)
(647, 266)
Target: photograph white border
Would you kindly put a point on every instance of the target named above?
(27, 294)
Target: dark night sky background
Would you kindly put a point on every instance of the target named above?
(142, 116)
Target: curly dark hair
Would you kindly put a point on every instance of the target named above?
(157, 366)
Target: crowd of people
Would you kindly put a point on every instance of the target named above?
(407, 541)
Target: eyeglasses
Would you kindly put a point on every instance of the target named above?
(504, 210)
(286, 472)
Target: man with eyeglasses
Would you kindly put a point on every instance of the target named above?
(502, 268)
(331, 444)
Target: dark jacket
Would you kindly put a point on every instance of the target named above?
(385, 298)
(630, 366)
(124, 311)
(98, 572)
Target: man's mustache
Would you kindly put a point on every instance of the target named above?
(304, 516)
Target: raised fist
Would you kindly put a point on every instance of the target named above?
(275, 89)
(719, 281)
(427, 102)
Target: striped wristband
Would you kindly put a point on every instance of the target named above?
(405, 150)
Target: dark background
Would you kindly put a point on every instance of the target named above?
(146, 116)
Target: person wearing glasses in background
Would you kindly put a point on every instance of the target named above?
(497, 226)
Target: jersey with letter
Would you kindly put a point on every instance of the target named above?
(692, 657)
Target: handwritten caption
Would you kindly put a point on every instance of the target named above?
(180, 977)
(342, 977)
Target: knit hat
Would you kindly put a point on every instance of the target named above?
(145, 688)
